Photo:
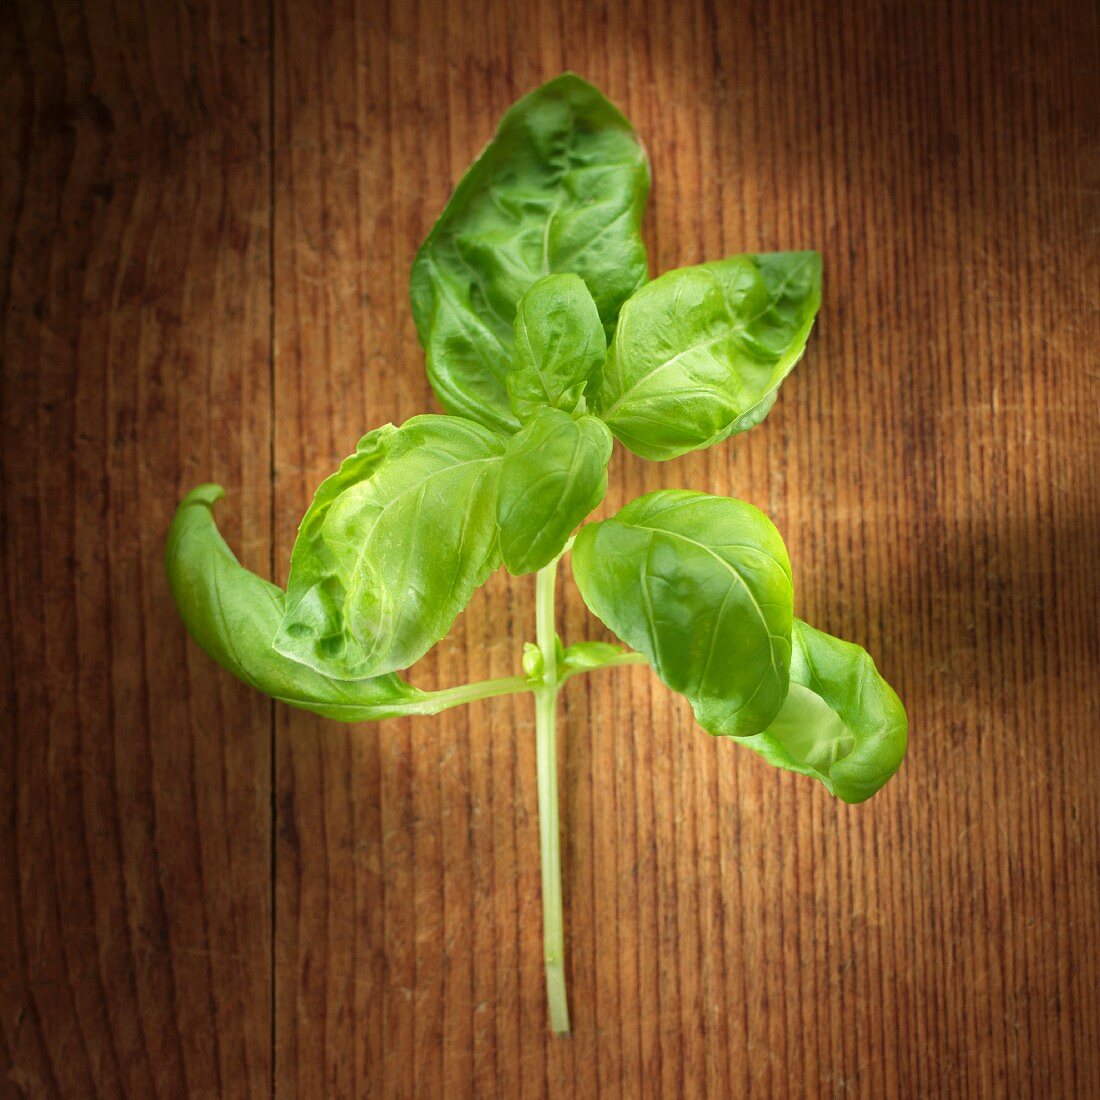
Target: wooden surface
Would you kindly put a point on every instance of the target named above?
(207, 217)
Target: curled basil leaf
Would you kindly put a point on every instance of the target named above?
(393, 547)
(561, 188)
(841, 722)
(701, 585)
(233, 615)
(560, 347)
(553, 474)
(700, 352)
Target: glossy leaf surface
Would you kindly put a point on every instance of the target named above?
(393, 547)
(559, 347)
(841, 723)
(561, 188)
(553, 474)
(233, 615)
(700, 352)
(701, 585)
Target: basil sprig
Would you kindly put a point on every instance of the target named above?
(544, 343)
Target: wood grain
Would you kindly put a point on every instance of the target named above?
(135, 856)
(208, 215)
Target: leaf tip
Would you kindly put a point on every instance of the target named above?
(208, 494)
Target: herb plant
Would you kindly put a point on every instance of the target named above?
(545, 342)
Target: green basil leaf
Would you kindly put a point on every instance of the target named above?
(561, 188)
(560, 347)
(233, 615)
(841, 723)
(553, 474)
(700, 352)
(701, 585)
(393, 547)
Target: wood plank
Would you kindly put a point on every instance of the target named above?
(135, 861)
(732, 930)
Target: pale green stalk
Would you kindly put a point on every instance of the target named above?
(481, 689)
(546, 753)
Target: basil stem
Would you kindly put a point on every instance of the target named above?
(546, 754)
